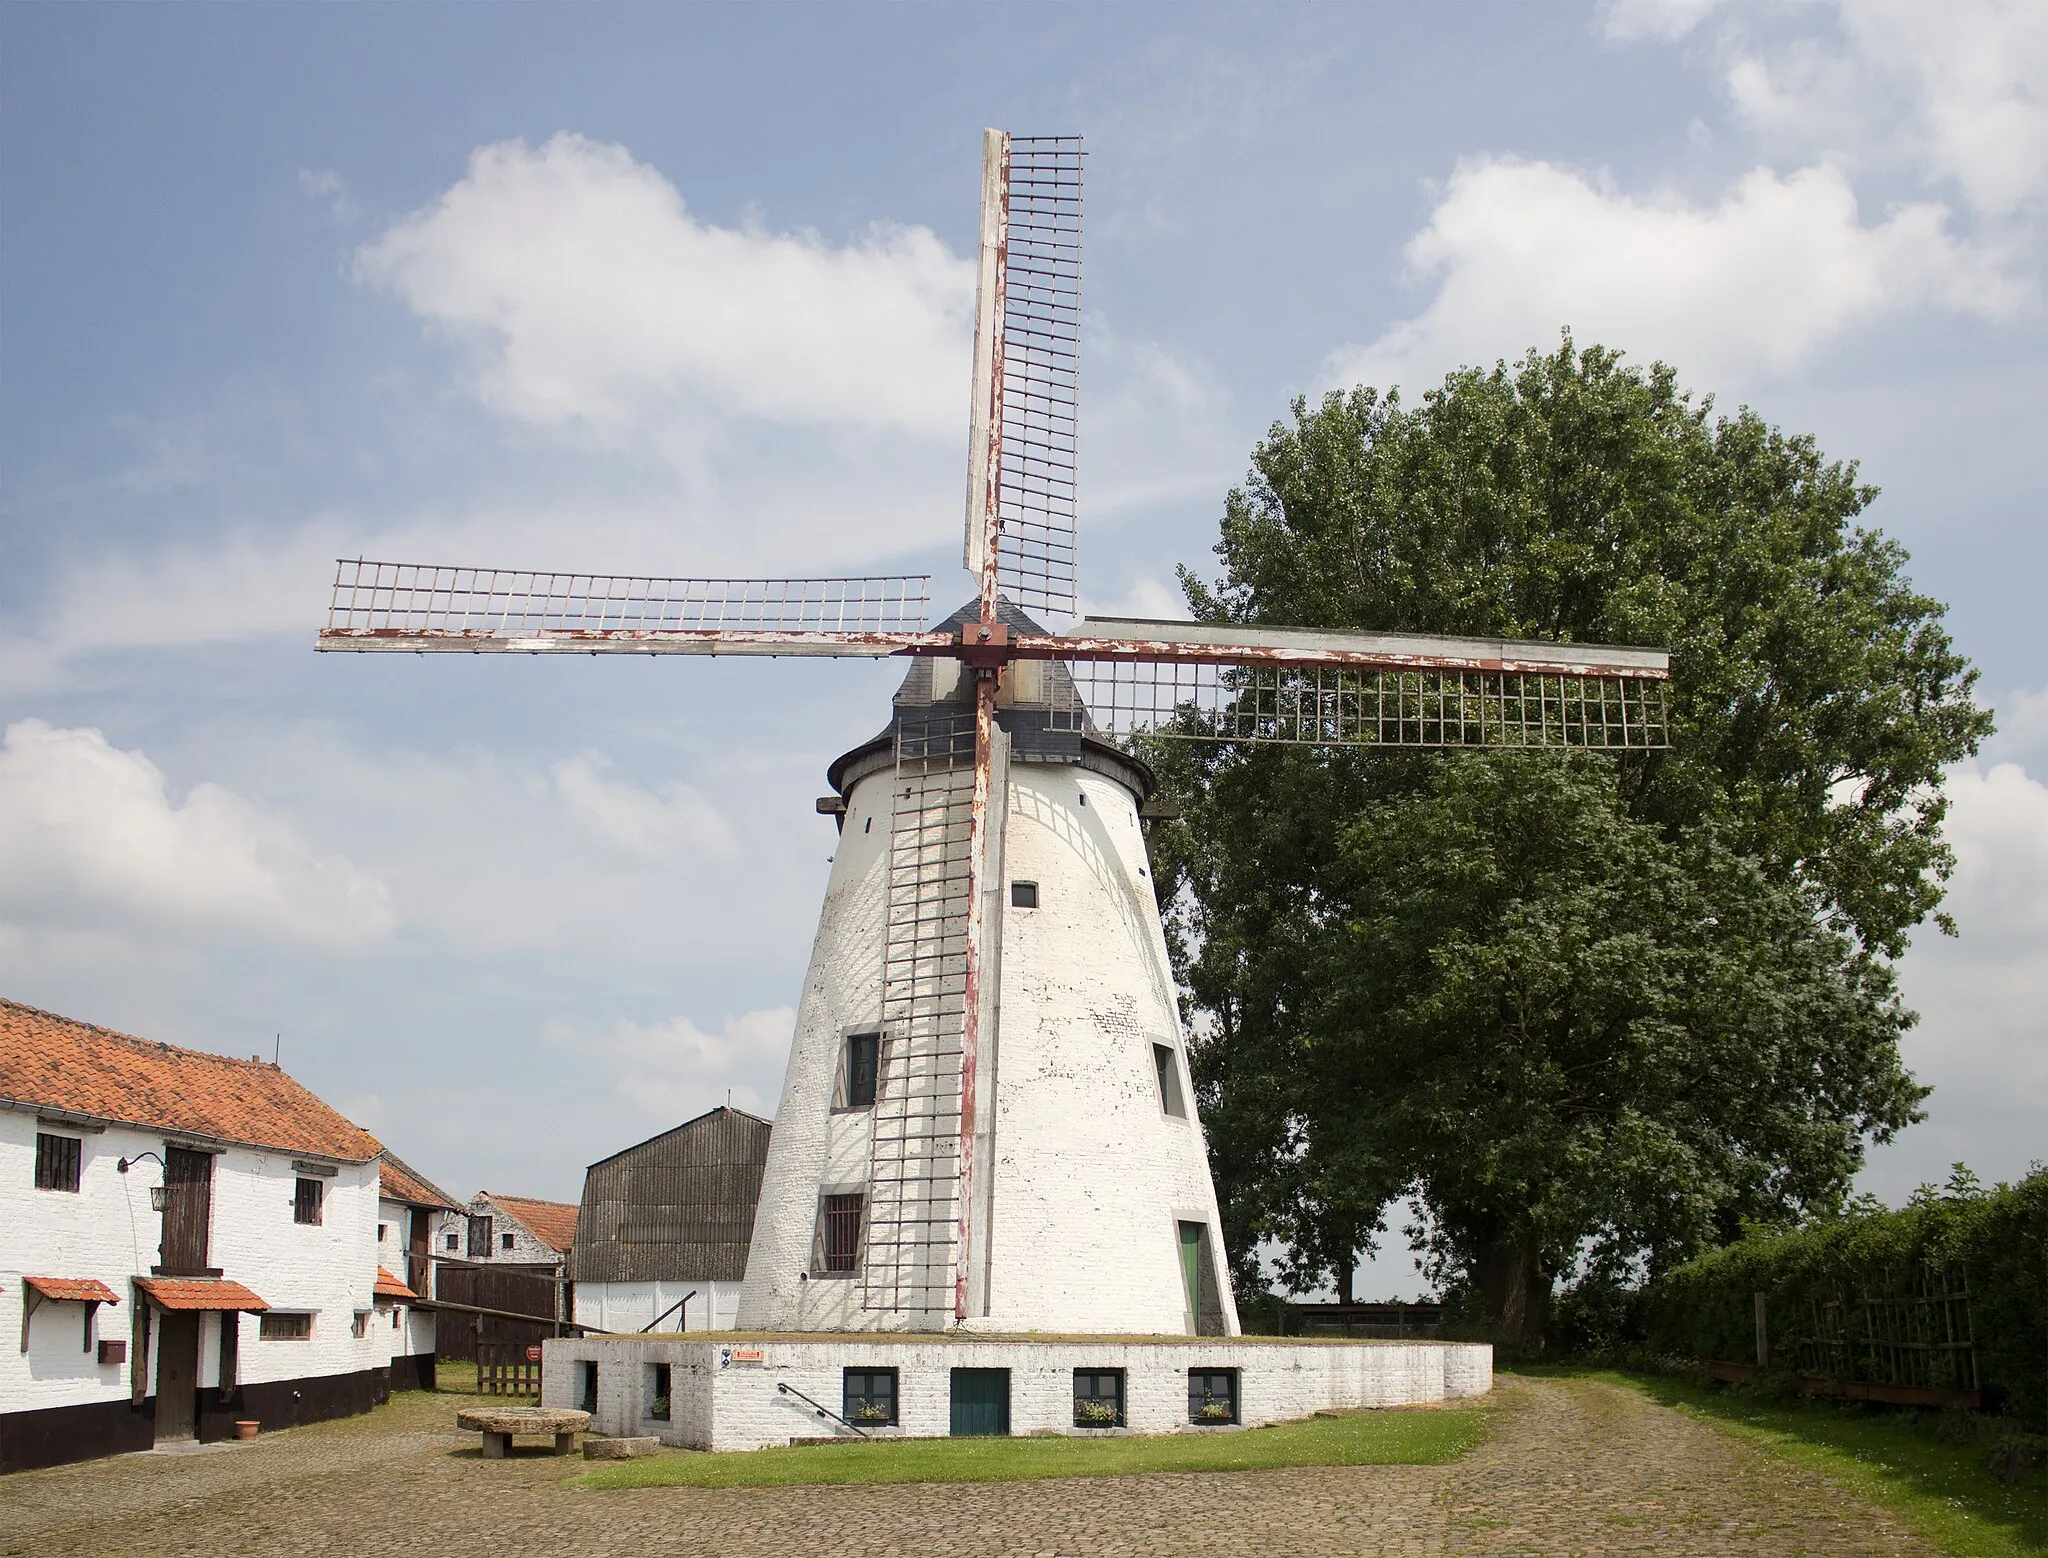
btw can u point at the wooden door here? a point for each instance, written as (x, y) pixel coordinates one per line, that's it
(188, 1213)
(419, 1241)
(981, 1402)
(177, 1375)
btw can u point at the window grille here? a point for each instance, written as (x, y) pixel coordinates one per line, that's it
(480, 1237)
(57, 1160)
(276, 1327)
(1212, 1395)
(1169, 1081)
(863, 1069)
(1098, 1398)
(842, 1232)
(306, 1201)
(869, 1398)
(1023, 895)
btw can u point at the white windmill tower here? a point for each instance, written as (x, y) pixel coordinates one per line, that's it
(987, 1123)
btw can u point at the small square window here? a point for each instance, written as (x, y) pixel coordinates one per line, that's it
(1023, 895)
(839, 1234)
(306, 1200)
(863, 1069)
(1212, 1395)
(504, 1241)
(1169, 1081)
(276, 1327)
(1098, 1398)
(360, 1327)
(658, 1406)
(454, 1242)
(870, 1398)
(57, 1159)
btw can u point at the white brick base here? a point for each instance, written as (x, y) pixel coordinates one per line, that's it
(722, 1401)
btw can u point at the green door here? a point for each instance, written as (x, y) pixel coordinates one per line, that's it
(981, 1402)
(1191, 1270)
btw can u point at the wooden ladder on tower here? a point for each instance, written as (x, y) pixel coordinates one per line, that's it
(914, 1192)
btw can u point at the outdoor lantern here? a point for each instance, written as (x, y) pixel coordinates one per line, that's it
(159, 1195)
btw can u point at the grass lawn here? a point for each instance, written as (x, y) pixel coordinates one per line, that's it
(1936, 1485)
(1389, 1438)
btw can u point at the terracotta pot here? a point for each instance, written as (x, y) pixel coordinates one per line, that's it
(245, 1428)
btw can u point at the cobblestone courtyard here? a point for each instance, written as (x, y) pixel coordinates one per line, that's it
(1571, 1467)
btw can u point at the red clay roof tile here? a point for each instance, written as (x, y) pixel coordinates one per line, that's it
(60, 1064)
(198, 1293)
(552, 1222)
(73, 1290)
(389, 1286)
(400, 1181)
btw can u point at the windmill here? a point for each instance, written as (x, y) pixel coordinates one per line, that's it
(1098, 1217)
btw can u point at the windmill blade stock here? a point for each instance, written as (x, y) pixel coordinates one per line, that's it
(420, 607)
(1021, 451)
(1201, 681)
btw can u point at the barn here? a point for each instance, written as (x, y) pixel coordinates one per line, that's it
(662, 1239)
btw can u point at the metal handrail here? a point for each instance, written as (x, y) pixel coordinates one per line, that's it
(791, 1390)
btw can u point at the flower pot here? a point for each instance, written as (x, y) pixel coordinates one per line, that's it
(245, 1428)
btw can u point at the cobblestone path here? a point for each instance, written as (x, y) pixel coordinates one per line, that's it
(1572, 1467)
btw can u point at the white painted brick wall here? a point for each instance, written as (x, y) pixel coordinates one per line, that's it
(107, 1230)
(730, 1406)
(1090, 1175)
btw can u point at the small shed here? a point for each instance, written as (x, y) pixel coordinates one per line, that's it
(663, 1234)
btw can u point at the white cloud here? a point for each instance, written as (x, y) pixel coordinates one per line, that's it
(671, 1071)
(592, 298)
(667, 820)
(1957, 91)
(1759, 281)
(1983, 1035)
(88, 833)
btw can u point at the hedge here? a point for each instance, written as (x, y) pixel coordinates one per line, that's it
(1995, 1240)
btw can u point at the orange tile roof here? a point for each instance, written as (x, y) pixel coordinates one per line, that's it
(73, 1290)
(56, 1063)
(400, 1181)
(552, 1222)
(389, 1286)
(198, 1293)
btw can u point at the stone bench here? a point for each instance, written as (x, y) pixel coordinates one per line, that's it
(499, 1424)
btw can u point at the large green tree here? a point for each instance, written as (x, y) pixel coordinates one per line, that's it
(1569, 1003)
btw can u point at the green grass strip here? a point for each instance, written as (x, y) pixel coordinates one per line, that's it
(1937, 1487)
(1389, 1438)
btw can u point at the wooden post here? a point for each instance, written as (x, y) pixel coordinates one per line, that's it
(1763, 1333)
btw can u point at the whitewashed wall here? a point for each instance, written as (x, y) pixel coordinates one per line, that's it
(107, 1230)
(722, 1404)
(630, 1306)
(1089, 1176)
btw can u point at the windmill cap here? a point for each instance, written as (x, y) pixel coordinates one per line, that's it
(1042, 712)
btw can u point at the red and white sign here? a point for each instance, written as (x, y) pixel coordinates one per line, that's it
(533, 1353)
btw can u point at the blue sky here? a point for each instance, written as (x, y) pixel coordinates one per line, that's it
(686, 290)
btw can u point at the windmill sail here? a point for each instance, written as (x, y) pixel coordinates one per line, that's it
(1021, 456)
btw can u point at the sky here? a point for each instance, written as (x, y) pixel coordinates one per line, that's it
(688, 290)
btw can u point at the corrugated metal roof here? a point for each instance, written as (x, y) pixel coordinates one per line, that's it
(678, 1207)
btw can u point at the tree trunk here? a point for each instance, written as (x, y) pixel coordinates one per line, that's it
(1509, 1268)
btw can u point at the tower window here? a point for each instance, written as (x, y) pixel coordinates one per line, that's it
(863, 1069)
(1023, 895)
(839, 1234)
(1169, 1081)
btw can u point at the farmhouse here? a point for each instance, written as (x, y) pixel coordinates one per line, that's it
(186, 1240)
(410, 1210)
(662, 1240)
(516, 1231)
